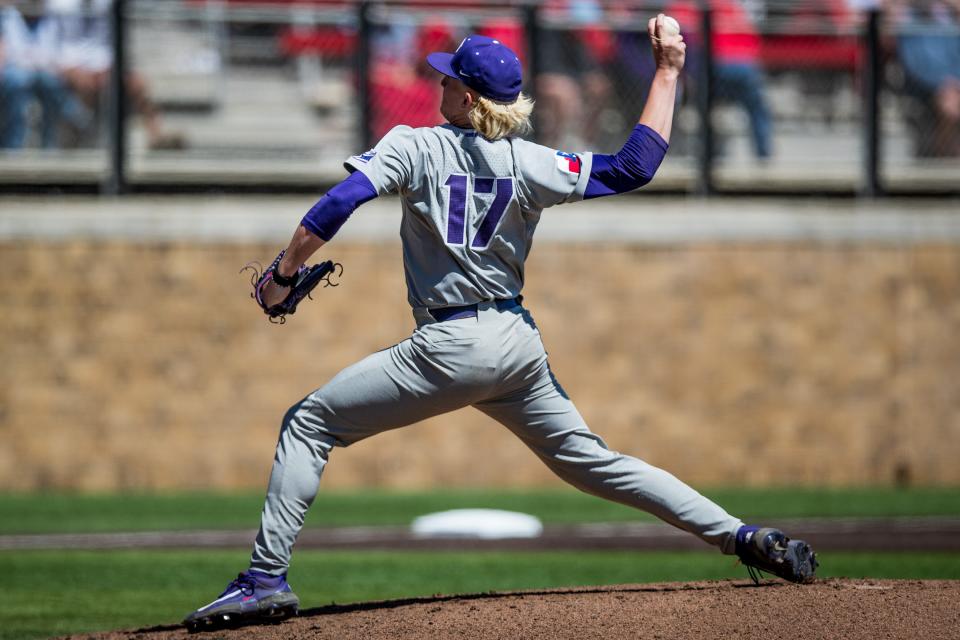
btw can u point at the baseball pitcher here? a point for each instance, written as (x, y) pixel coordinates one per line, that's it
(472, 192)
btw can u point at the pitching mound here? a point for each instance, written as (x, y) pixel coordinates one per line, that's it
(850, 609)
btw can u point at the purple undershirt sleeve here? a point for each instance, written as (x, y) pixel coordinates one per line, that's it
(327, 216)
(628, 169)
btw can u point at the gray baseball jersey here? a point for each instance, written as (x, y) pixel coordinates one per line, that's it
(470, 207)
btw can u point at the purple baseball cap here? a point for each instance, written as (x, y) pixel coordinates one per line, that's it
(485, 65)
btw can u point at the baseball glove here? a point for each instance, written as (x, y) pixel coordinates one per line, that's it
(301, 284)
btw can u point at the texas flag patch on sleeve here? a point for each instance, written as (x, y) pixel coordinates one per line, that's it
(568, 162)
(366, 157)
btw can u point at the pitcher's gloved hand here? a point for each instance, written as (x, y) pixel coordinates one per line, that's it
(298, 286)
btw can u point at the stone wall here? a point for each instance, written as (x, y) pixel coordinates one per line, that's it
(146, 366)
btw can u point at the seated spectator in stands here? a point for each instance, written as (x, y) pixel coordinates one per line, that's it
(12, 88)
(28, 50)
(572, 88)
(820, 38)
(406, 92)
(928, 43)
(631, 73)
(737, 74)
(86, 60)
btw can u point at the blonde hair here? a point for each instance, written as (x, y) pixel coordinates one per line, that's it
(496, 120)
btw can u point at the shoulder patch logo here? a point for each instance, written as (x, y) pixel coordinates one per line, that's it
(366, 157)
(568, 162)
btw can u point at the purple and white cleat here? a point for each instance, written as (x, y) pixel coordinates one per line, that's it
(253, 596)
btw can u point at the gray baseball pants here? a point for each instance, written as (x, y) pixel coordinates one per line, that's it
(495, 362)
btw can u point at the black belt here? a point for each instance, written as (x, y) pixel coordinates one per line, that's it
(470, 310)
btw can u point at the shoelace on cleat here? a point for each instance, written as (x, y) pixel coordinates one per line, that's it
(756, 573)
(245, 583)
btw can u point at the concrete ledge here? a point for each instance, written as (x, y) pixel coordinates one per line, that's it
(631, 219)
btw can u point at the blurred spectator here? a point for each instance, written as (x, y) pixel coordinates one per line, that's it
(509, 30)
(28, 72)
(13, 90)
(409, 93)
(632, 70)
(86, 59)
(820, 39)
(572, 89)
(928, 43)
(737, 74)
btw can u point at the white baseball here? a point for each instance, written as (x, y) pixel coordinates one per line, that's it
(670, 27)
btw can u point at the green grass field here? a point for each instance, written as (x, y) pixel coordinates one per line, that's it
(69, 513)
(58, 592)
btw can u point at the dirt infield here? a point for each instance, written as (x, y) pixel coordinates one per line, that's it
(835, 608)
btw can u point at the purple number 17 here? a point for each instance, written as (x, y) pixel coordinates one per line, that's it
(457, 209)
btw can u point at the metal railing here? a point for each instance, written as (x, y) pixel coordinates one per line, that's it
(355, 67)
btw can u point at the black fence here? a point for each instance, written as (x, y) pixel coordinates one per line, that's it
(777, 97)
